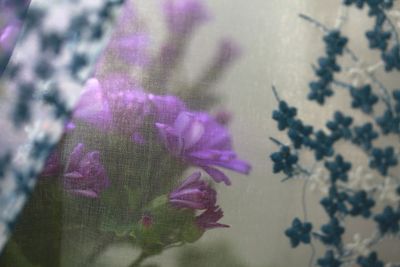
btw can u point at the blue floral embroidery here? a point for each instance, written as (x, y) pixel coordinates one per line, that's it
(347, 191)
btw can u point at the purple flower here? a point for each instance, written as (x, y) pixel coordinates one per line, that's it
(199, 140)
(115, 104)
(52, 166)
(8, 36)
(228, 52)
(147, 221)
(193, 193)
(93, 106)
(129, 104)
(132, 49)
(10, 23)
(209, 219)
(166, 108)
(85, 175)
(223, 117)
(129, 42)
(183, 16)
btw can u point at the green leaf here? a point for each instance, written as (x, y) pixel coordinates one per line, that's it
(191, 232)
(158, 202)
(120, 211)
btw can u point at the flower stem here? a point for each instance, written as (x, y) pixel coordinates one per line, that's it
(139, 260)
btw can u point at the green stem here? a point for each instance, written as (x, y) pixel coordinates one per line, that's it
(139, 260)
(97, 251)
(13, 256)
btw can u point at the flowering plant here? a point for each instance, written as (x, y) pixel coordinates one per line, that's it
(366, 186)
(135, 133)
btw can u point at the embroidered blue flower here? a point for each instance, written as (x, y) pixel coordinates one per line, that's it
(327, 67)
(370, 261)
(299, 133)
(392, 59)
(327, 64)
(338, 168)
(361, 204)
(320, 90)
(378, 38)
(387, 3)
(364, 135)
(335, 202)
(284, 116)
(322, 145)
(344, 200)
(284, 161)
(340, 126)
(335, 43)
(388, 220)
(299, 233)
(389, 122)
(383, 159)
(363, 98)
(329, 260)
(358, 3)
(332, 233)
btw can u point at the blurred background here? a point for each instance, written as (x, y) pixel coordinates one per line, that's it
(278, 49)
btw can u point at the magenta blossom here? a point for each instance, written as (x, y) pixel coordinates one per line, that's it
(129, 109)
(10, 22)
(147, 221)
(166, 108)
(93, 107)
(129, 43)
(117, 104)
(223, 117)
(228, 52)
(52, 166)
(183, 16)
(193, 193)
(132, 49)
(209, 219)
(85, 175)
(199, 140)
(8, 36)
(114, 105)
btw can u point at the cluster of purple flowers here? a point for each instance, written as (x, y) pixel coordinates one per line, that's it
(116, 104)
(195, 138)
(84, 173)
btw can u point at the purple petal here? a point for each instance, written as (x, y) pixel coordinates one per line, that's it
(73, 175)
(217, 175)
(75, 157)
(138, 138)
(191, 179)
(166, 108)
(184, 15)
(84, 193)
(180, 203)
(92, 106)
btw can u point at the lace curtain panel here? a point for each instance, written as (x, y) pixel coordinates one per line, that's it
(199, 133)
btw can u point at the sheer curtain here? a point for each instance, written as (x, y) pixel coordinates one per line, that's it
(158, 98)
